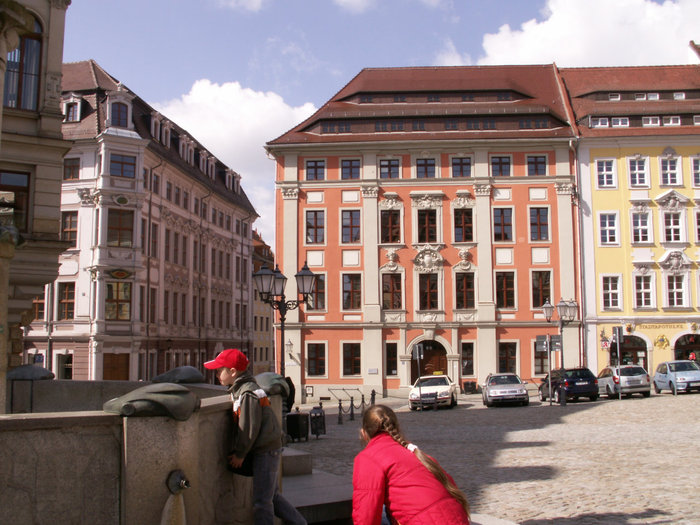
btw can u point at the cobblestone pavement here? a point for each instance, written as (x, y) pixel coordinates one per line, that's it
(628, 461)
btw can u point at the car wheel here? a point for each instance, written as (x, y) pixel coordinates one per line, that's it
(412, 407)
(609, 392)
(594, 397)
(656, 388)
(526, 402)
(557, 398)
(673, 388)
(541, 395)
(453, 402)
(647, 393)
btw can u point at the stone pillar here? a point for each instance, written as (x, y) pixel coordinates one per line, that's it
(567, 265)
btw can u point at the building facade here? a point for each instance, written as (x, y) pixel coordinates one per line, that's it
(31, 152)
(437, 207)
(156, 269)
(639, 158)
(263, 357)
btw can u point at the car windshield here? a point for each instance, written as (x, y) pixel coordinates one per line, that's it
(683, 366)
(632, 371)
(432, 381)
(579, 373)
(504, 380)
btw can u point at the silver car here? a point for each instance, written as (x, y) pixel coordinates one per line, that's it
(504, 388)
(433, 391)
(677, 376)
(628, 379)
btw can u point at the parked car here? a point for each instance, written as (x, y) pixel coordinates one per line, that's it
(677, 376)
(504, 388)
(575, 382)
(434, 391)
(628, 379)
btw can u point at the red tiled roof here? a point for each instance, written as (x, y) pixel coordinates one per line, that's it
(86, 76)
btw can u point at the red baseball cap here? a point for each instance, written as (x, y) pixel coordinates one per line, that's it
(229, 358)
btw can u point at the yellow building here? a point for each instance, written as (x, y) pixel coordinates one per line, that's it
(639, 169)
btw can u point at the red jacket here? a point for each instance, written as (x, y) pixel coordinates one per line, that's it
(385, 473)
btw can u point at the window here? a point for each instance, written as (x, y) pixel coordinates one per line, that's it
(464, 290)
(541, 290)
(640, 227)
(392, 358)
(461, 167)
(71, 169)
(169, 190)
(507, 358)
(316, 359)
(599, 122)
(425, 168)
(166, 245)
(152, 305)
(467, 359)
(120, 115)
(389, 169)
(418, 125)
(500, 166)
(69, 227)
(22, 72)
(350, 226)
(620, 122)
(451, 125)
(317, 298)
(642, 291)
(155, 184)
(351, 359)
(672, 227)
(390, 226)
(397, 125)
(350, 169)
(505, 290)
(539, 224)
(122, 165)
(679, 95)
(17, 183)
(640, 96)
(608, 228)
(669, 172)
(352, 291)
(672, 121)
(536, 165)
(651, 121)
(315, 228)
(118, 302)
(606, 173)
(428, 291)
(695, 166)
(652, 96)
(391, 291)
(66, 301)
(541, 365)
(502, 224)
(611, 293)
(120, 228)
(38, 308)
(154, 240)
(315, 169)
(638, 172)
(427, 229)
(176, 248)
(464, 226)
(614, 96)
(675, 290)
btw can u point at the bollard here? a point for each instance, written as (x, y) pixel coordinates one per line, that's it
(340, 412)
(562, 396)
(352, 409)
(372, 397)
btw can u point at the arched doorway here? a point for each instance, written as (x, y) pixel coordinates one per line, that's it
(686, 345)
(434, 360)
(634, 352)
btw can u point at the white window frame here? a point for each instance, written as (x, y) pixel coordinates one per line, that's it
(620, 122)
(678, 227)
(674, 120)
(414, 167)
(306, 355)
(440, 287)
(416, 206)
(401, 227)
(614, 229)
(695, 170)
(599, 122)
(647, 228)
(670, 177)
(679, 95)
(402, 272)
(491, 157)
(652, 96)
(325, 227)
(651, 121)
(683, 290)
(643, 174)
(640, 96)
(362, 292)
(341, 344)
(696, 120)
(612, 294)
(614, 97)
(612, 174)
(340, 227)
(651, 291)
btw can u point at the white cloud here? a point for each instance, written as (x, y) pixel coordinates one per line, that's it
(594, 33)
(248, 5)
(355, 6)
(449, 56)
(234, 123)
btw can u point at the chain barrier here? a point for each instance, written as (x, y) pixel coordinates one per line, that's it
(350, 410)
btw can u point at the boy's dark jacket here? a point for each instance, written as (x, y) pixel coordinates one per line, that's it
(256, 428)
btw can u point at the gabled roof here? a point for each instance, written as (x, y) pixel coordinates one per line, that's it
(537, 88)
(87, 76)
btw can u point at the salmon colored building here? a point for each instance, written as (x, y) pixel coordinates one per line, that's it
(438, 207)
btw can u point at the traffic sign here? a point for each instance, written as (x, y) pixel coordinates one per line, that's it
(556, 343)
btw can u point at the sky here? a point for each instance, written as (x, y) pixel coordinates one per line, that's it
(238, 73)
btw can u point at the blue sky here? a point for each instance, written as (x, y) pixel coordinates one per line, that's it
(238, 73)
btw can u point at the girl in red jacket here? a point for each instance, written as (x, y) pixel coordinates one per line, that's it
(396, 474)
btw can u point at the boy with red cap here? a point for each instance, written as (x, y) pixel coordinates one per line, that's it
(257, 432)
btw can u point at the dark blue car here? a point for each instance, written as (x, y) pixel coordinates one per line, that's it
(576, 382)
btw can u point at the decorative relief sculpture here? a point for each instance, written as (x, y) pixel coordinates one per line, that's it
(290, 193)
(428, 259)
(370, 192)
(390, 202)
(464, 256)
(464, 199)
(393, 256)
(426, 201)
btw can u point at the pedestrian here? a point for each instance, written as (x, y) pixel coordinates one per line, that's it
(257, 437)
(396, 475)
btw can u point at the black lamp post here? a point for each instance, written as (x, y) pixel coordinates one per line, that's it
(270, 285)
(567, 313)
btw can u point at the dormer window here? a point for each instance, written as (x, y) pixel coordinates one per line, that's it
(155, 127)
(212, 167)
(613, 97)
(679, 95)
(165, 134)
(620, 122)
(651, 121)
(672, 121)
(203, 161)
(229, 179)
(640, 96)
(72, 112)
(599, 122)
(652, 96)
(120, 115)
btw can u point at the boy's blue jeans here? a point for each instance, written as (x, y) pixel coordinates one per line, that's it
(267, 502)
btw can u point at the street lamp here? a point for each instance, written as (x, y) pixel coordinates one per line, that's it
(567, 313)
(270, 285)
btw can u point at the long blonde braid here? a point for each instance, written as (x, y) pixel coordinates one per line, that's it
(380, 418)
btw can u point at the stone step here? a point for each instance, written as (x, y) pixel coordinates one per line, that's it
(322, 498)
(296, 462)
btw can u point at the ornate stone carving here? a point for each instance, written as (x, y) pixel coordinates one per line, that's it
(464, 199)
(87, 197)
(428, 259)
(390, 202)
(425, 201)
(642, 268)
(370, 192)
(672, 201)
(483, 190)
(464, 256)
(392, 255)
(290, 193)
(675, 262)
(564, 188)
